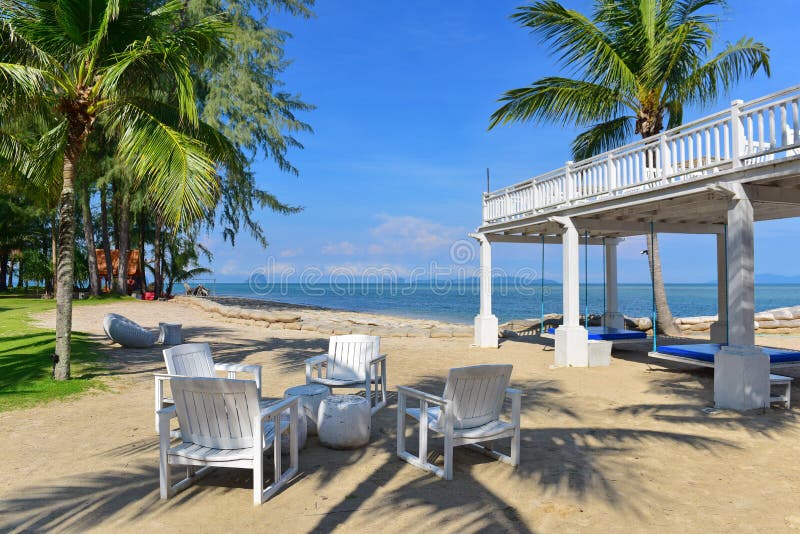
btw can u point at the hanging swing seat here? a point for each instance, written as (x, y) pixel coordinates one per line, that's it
(702, 354)
(606, 333)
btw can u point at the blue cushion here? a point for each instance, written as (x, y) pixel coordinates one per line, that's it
(705, 352)
(603, 333)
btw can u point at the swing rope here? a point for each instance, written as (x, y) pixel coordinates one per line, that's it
(541, 291)
(653, 285)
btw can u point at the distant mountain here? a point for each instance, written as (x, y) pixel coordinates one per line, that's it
(767, 278)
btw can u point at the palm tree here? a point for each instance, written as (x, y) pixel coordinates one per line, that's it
(109, 61)
(635, 62)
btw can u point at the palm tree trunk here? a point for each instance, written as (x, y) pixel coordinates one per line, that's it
(3, 269)
(142, 274)
(664, 322)
(157, 249)
(104, 230)
(88, 234)
(54, 251)
(66, 271)
(124, 232)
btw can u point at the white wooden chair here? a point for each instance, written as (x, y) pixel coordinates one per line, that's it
(467, 414)
(352, 361)
(222, 425)
(194, 359)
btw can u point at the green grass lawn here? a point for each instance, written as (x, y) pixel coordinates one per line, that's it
(25, 355)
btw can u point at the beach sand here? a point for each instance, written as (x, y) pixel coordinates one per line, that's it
(626, 447)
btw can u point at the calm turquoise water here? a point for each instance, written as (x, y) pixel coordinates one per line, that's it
(458, 302)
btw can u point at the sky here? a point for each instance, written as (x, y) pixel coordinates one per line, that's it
(392, 176)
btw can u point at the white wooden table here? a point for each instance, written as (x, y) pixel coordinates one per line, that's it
(784, 383)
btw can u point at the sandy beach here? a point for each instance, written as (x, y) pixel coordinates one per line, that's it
(603, 449)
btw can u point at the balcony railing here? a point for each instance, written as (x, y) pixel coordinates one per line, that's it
(763, 130)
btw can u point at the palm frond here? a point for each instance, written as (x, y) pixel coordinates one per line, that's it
(602, 137)
(560, 100)
(173, 165)
(739, 60)
(578, 42)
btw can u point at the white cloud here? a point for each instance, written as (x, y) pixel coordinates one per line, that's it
(291, 252)
(343, 248)
(401, 234)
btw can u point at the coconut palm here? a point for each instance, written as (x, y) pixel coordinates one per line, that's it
(128, 65)
(635, 63)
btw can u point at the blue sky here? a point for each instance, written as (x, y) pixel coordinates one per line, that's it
(392, 176)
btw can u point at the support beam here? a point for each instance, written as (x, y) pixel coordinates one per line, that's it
(772, 194)
(741, 370)
(572, 340)
(534, 238)
(643, 227)
(612, 318)
(719, 329)
(485, 334)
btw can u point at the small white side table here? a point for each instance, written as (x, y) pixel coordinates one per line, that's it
(311, 395)
(785, 383)
(170, 333)
(344, 422)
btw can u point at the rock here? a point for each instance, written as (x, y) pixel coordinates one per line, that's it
(418, 332)
(700, 327)
(291, 326)
(768, 325)
(310, 326)
(644, 323)
(764, 316)
(783, 314)
(381, 331)
(463, 332)
(795, 312)
(441, 332)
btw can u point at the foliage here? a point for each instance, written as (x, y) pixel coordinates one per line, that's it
(635, 62)
(25, 352)
(243, 97)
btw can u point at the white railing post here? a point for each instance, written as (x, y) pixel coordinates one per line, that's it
(534, 196)
(485, 208)
(507, 205)
(611, 172)
(568, 183)
(666, 168)
(738, 148)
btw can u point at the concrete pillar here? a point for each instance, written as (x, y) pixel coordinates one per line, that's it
(741, 370)
(719, 329)
(485, 334)
(612, 317)
(572, 340)
(741, 293)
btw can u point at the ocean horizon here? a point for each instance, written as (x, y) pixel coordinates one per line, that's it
(457, 301)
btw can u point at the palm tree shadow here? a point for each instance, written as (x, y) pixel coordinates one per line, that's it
(585, 461)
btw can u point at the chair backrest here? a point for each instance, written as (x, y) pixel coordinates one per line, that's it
(190, 359)
(348, 356)
(216, 412)
(477, 393)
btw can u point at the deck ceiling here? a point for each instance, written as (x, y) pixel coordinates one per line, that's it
(698, 207)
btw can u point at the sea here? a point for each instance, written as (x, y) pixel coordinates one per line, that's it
(458, 301)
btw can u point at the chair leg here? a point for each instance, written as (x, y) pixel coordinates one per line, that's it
(448, 457)
(258, 474)
(401, 425)
(515, 445)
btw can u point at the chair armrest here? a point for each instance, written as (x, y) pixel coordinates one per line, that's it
(278, 407)
(316, 360)
(167, 413)
(406, 391)
(516, 404)
(238, 367)
(378, 358)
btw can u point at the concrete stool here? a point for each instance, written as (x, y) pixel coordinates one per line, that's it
(311, 395)
(170, 333)
(344, 421)
(302, 432)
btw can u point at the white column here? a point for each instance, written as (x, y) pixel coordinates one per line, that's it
(741, 370)
(719, 329)
(485, 334)
(612, 318)
(572, 340)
